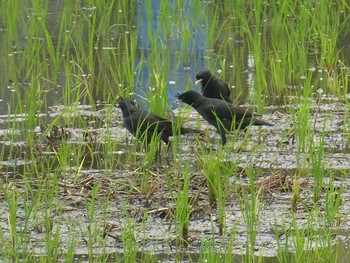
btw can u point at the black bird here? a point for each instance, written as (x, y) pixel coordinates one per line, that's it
(144, 124)
(221, 114)
(212, 87)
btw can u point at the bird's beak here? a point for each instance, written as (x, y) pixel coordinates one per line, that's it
(178, 101)
(197, 81)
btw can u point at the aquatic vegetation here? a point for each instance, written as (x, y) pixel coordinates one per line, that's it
(74, 183)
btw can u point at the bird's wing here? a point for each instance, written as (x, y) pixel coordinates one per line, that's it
(227, 89)
(147, 119)
(221, 85)
(225, 110)
(157, 117)
(241, 112)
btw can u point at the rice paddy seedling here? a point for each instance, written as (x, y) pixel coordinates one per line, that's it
(14, 245)
(249, 206)
(182, 214)
(52, 238)
(129, 242)
(70, 254)
(150, 157)
(311, 248)
(92, 224)
(110, 148)
(317, 162)
(332, 203)
(302, 123)
(63, 62)
(211, 253)
(11, 17)
(217, 177)
(157, 97)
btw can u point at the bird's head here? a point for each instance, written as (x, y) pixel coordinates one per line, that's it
(189, 97)
(126, 105)
(203, 76)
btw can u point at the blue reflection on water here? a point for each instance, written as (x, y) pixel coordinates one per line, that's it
(180, 74)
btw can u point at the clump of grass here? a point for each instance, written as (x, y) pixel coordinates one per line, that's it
(217, 175)
(211, 253)
(249, 206)
(318, 171)
(14, 245)
(92, 226)
(182, 213)
(311, 238)
(130, 246)
(152, 149)
(333, 203)
(92, 53)
(310, 248)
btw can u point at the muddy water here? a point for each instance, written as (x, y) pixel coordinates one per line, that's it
(151, 213)
(269, 152)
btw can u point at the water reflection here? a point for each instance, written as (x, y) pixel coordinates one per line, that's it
(185, 59)
(177, 39)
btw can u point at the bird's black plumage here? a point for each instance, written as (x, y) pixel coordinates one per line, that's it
(212, 87)
(144, 124)
(221, 114)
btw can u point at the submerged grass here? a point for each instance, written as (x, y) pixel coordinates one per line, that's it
(74, 54)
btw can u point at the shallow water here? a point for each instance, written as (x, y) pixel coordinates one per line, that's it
(269, 151)
(264, 153)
